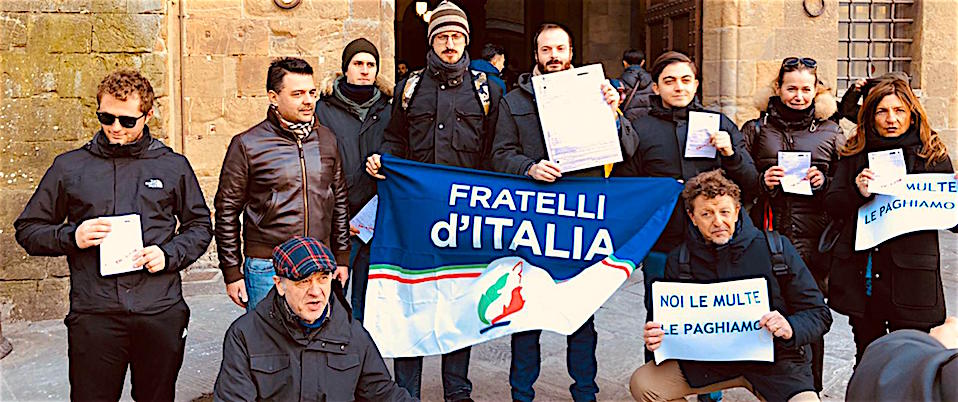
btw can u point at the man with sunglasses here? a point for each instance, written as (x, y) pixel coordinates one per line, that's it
(284, 176)
(137, 318)
(444, 115)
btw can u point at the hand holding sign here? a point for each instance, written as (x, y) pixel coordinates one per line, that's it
(861, 181)
(775, 323)
(653, 335)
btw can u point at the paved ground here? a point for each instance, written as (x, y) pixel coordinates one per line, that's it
(37, 368)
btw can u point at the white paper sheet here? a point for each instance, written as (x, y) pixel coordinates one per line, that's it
(701, 125)
(796, 165)
(365, 220)
(889, 169)
(578, 126)
(119, 247)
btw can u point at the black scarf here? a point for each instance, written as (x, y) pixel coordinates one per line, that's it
(359, 94)
(449, 74)
(782, 115)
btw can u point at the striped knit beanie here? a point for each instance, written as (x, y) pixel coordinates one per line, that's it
(447, 17)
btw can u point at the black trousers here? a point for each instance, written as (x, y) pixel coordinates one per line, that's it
(100, 346)
(870, 327)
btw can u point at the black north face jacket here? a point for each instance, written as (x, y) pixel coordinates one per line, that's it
(102, 179)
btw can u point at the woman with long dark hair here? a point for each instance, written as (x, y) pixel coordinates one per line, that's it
(897, 284)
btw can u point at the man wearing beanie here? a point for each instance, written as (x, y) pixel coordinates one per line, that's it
(445, 115)
(300, 343)
(355, 106)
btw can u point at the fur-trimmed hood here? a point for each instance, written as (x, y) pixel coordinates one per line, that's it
(825, 102)
(326, 87)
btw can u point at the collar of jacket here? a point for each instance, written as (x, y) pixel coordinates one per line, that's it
(674, 115)
(359, 110)
(273, 117)
(745, 233)
(780, 115)
(142, 148)
(525, 83)
(336, 329)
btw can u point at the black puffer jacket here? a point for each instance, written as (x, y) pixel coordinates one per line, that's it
(519, 141)
(747, 256)
(102, 179)
(357, 138)
(906, 270)
(444, 122)
(267, 356)
(799, 217)
(662, 136)
(638, 92)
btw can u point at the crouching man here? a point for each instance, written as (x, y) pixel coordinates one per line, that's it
(723, 244)
(301, 344)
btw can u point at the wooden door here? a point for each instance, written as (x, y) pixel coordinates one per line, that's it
(672, 25)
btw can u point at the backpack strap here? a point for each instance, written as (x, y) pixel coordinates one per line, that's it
(777, 249)
(481, 83)
(409, 89)
(628, 99)
(685, 268)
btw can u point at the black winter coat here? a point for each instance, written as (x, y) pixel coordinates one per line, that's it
(357, 140)
(906, 270)
(268, 358)
(661, 144)
(102, 179)
(799, 217)
(638, 92)
(905, 365)
(444, 123)
(800, 302)
(519, 141)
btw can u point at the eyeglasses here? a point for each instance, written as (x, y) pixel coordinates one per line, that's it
(456, 37)
(107, 119)
(794, 61)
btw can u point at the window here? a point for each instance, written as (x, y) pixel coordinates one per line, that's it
(874, 37)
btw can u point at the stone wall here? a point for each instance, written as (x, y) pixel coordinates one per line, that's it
(52, 56)
(936, 67)
(207, 62)
(605, 33)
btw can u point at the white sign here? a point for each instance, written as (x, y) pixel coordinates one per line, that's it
(926, 203)
(365, 220)
(119, 248)
(713, 321)
(698, 141)
(796, 165)
(577, 123)
(889, 169)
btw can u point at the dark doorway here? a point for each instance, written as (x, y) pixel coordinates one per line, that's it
(509, 23)
(669, 25)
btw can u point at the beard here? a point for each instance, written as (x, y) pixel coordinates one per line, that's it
(566, 64)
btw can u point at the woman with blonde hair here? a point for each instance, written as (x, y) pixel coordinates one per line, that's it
(896, 285)
(794, 118)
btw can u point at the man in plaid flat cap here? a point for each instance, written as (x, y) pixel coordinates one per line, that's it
(301, 344)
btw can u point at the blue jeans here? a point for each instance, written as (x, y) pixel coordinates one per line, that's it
(455, 374)
(258, 276)
(580, 360)
(359, 267)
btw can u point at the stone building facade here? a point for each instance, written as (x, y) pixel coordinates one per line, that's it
(207, 61)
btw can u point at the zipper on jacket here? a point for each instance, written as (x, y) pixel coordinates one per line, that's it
(302, 165)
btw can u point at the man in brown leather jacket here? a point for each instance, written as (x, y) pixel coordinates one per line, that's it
(285, 176)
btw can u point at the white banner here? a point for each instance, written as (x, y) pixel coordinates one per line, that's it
(927, 203)
(713, 321)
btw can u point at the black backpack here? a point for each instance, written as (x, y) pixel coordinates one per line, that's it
(775, 246)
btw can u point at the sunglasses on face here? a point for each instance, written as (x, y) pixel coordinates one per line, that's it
(794, 61)
(107, 119)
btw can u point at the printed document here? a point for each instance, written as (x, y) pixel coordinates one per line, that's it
(365, 220)
(119, 249)
(889, 169)
(796, 165)
(579, 127)
(701, 125)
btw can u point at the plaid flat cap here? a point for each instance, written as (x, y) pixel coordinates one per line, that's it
(300, 257)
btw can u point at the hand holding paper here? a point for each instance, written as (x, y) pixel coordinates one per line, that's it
(92, 232)
(796, 166)
(122, 248)
(699, 141)
(722, 142)
(152, 257)
(889, 170)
